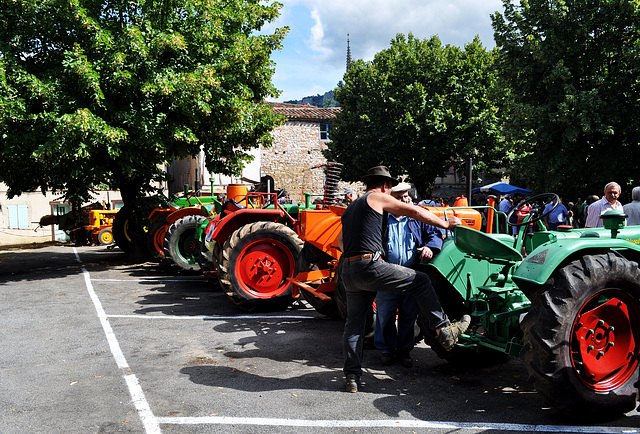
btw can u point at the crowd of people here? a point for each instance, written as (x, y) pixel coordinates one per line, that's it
(572, 213)
(582, 213)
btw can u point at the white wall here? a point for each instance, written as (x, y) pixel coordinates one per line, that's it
(37, 206)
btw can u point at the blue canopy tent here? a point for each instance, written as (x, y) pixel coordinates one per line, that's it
(500, 188)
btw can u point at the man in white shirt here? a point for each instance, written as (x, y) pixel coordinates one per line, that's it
(599, 207)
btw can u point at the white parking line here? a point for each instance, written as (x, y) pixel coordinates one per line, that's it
(215, 318)
(391, 424)
(149, 421)
(152, 423)
(147, 279)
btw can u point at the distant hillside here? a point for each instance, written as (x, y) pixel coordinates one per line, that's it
(325, 100)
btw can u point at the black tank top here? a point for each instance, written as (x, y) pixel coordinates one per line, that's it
(364, 230)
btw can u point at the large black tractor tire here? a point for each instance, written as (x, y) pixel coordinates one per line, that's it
(582, 338)
(210, 252)
(324, 307)
(181, 248)
(155, 239)
(122, 232)
(255, 262)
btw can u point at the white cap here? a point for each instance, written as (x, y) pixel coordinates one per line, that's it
(402, 187)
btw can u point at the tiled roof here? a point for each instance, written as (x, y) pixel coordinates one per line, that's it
(304, 112)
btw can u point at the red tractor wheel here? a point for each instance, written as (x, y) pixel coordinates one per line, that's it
(582, 337)
(255, 263)
(105, 237)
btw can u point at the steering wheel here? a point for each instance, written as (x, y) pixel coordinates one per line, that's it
(537, 204)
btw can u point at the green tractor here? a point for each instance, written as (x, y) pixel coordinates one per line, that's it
(566, 301)
(170, 227)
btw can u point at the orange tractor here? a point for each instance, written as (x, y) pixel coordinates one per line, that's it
(319, 229)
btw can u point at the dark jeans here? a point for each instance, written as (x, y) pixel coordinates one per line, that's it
(362, 279)
(388, 337)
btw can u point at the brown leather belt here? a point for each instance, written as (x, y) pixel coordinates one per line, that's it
(364, 257)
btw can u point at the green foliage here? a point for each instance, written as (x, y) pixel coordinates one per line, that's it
(106, 92)
(573, 70)
(419, 107)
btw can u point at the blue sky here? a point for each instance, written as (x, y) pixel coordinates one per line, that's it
(313, 59)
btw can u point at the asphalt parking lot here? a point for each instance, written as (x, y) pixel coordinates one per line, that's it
(93, 344)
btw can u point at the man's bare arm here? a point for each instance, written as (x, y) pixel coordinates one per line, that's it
(383, 202)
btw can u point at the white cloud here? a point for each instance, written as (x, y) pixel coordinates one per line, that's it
(316, 43)
(315, 50)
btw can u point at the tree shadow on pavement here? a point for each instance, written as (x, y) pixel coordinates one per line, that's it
(59, 260)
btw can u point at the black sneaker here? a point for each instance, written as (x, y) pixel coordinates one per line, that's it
(351, 383)
(449, 335)
(405, 359)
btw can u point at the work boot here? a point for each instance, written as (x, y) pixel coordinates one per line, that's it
(449, 335)
(351, 383)
(405, 359)
(386, 359)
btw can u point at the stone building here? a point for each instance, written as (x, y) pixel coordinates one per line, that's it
(295, 160)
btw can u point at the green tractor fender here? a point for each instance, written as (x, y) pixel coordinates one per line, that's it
(542, 262)
(473, 262)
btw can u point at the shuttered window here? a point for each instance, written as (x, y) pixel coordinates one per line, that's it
(18, 216)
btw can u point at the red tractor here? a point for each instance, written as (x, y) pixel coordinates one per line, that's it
(253, 247)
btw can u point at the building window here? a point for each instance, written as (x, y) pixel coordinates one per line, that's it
(18, 216)
(324, 132)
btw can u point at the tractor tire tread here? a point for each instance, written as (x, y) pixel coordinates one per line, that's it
(548, 324)
(235, 294)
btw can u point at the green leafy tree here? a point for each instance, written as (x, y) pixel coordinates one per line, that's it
(573, 70)
(108, 91)
(418, 107)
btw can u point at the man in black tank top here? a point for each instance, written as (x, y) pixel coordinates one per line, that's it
(363, 271)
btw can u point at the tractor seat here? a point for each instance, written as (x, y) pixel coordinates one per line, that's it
(229, 206)
(479, 244)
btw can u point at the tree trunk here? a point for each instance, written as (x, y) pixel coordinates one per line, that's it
(138, 206)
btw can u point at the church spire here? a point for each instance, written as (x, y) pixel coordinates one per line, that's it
(348, 54)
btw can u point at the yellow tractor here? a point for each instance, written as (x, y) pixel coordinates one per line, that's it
(99, 228)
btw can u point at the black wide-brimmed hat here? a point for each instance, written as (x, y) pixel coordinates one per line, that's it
(379, 172)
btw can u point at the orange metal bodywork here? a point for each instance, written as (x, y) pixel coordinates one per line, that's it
(99, 219)
(321, 228)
